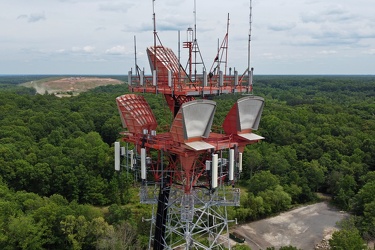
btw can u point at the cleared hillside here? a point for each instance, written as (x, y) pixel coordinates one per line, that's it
(70, 85)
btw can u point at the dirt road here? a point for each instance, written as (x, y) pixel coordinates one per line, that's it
(302, 227)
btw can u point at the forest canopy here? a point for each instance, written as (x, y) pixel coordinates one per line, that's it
(57, 174)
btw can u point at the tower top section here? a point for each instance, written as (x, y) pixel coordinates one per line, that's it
(170, 78)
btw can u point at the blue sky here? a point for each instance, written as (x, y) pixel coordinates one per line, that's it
(97, 36)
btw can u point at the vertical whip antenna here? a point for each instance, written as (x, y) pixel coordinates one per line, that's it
(195, 38)
(135, 57)
(195, 20)
(192, 45)
(154, 20)
(226, 51)
(249, 69)
(155, 35)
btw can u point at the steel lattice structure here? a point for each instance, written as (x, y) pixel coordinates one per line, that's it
(181, 170)
(188, 173)
(188, 226)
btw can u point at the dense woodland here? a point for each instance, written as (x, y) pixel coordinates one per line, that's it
(59, 190)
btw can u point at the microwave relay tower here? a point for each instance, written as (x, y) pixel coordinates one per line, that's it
(187, 173)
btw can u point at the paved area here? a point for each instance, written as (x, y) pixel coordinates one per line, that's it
(303, 227)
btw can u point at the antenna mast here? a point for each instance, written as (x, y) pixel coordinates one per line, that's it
(222, 54)
(155, 34)
(250, 70)
(192, 45)
(195, 38)
(135, 57)
(195, 20)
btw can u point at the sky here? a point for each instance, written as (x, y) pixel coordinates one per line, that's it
(308, 37)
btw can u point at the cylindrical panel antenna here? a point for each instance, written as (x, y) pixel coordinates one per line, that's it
(143, 163)
(169, 78)
(131, 156)
(122, 151)
(117, 156)
(235, 78)
(208, 165)
(141, 78)
(204, 79)
(215, 160)
(251, 77)
(221, 78)
(154, 78)
(130, 78)
(240, 162)
(231, 164)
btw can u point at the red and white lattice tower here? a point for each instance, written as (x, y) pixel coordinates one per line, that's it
(188, 173)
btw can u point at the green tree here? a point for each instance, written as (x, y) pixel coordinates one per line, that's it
(24, 233)
(262, 181)
(289, 248)
(252, 160)
(365, 196)
(75, 229)
(346, 239)
(347, 187)
(118, 214)
(275, 200)
(314, 173)
(241, 247)
(124, 236)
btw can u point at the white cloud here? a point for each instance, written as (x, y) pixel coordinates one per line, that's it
(119, 6)
(33, 17)
(85, 49)
(22, 17)
(329, 13)
(62, 33)
(272, 56)
(100, 28)
(327, 52)
(117, 50)
(370, 52)
(281, 26)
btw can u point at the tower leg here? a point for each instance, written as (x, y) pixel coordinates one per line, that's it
(193, 222)
(161, 216)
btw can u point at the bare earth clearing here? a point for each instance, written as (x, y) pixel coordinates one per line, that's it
(303, 228)
(69, 86)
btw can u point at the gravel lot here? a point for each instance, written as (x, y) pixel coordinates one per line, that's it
(303, 227)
